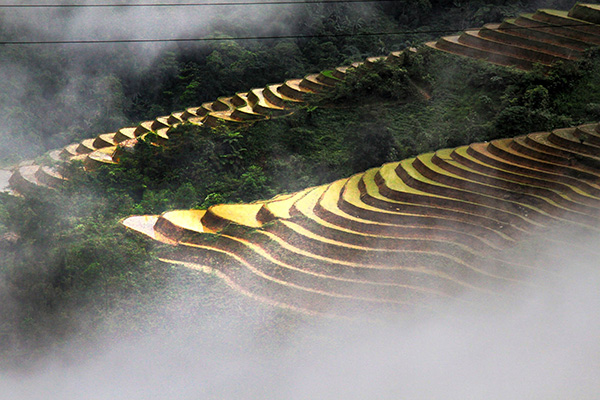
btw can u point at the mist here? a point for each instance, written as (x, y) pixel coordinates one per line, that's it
(105, 23)
(542, 343)
(51, 95)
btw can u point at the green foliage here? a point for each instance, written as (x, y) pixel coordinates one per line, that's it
(372, 145)
(254, 184)
(563, 96)
(383, 80)
(212, 199)
(64, 251)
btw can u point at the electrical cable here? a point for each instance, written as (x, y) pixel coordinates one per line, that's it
(216, 39)
(220, 3)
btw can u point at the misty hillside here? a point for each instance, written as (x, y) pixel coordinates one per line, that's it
(385, 188)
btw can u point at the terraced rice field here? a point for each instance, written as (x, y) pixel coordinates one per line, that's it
(545, 37)
(404, 235)
(272, 101)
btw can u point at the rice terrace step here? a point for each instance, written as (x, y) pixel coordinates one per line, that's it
(321, 252)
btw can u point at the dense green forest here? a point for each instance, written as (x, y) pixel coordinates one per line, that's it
(64, 251)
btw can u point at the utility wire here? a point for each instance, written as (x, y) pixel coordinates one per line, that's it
(217, 39)
(219, 3)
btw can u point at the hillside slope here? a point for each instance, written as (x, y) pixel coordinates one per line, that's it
(258, 104)
(545, 37)
(542, 38)
(404, 234)
(398, 236)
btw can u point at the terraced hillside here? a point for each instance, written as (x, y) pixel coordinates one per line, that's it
(544, 37)
(402, 235)
(398, 236)
(257, 104)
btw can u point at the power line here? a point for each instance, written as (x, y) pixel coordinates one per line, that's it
(217, 39)
(220, 3)
(207, 39)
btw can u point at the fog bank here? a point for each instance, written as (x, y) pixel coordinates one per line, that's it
(543, 344)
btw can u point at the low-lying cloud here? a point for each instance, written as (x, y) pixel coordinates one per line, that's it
(542, 344)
